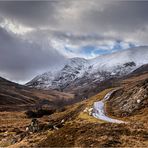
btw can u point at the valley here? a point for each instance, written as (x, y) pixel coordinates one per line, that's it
(73, 125)
(73, 73)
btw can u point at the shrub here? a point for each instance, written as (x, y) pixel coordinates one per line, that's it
(30, 114)
(39, 113)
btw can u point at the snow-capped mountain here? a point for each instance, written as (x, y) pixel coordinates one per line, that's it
(42, 81)
(79, 71)
(74, 68)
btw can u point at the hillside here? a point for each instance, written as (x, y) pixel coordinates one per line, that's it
(69, 117)
(18, 97)
(80, 129)
(74, 73)
(142, 69)
(100, 133)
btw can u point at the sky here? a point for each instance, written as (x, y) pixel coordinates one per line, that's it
(37, 36)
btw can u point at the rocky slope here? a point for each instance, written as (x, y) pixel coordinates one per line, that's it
(131, 98)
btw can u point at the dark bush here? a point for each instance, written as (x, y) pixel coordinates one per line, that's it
(43, 112)
(61, 109)
(39, 113)
(30, 114)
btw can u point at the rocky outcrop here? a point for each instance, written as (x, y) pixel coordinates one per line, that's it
(129, 102)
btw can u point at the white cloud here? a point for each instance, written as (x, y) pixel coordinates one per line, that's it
(15, 28)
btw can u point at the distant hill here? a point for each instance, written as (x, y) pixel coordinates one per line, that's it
(142, 69)
(18, 97)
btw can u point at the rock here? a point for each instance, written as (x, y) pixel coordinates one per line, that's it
(56, 128)
(90, 111)
(85, 110)
(33, 127)
(63, 121)
(138, 101)
(27, 129)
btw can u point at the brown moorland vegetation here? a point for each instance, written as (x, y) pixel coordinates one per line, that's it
(79, 128)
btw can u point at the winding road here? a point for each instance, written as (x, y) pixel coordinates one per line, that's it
(99, 111)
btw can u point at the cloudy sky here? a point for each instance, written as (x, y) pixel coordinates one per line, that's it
(36, 36)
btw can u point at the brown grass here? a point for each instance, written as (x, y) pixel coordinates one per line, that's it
(80, 129)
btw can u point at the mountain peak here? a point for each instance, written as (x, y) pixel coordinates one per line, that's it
(105, 66)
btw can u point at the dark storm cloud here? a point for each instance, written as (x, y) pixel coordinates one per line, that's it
(33, 13)
(21, 59)
(65, 23)
(119, 16)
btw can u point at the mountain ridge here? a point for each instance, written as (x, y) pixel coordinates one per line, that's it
(103, 67)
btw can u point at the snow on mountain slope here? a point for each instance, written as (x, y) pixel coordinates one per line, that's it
(74, 68)
(42, 81)
(78, 71)
(139, 55)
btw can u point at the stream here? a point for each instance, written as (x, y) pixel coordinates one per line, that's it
(99, 111)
